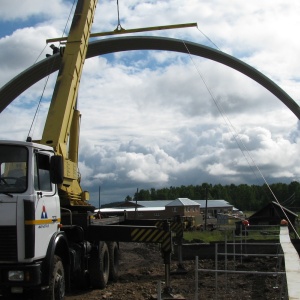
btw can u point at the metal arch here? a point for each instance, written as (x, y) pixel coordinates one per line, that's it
(51, 64)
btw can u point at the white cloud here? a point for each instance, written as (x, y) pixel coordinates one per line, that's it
(14, 9)
(148, 119)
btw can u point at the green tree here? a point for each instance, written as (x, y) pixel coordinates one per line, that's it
(243, 196)
(128, 198)
(143, 195)
(162, 194)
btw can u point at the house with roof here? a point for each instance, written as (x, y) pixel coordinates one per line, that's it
(215, 207)
(182, 207)
(272, 214)
(165, 209)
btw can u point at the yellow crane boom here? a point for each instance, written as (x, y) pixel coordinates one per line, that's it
(61, 129)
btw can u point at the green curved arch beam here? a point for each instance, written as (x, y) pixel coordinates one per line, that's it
(51, 64)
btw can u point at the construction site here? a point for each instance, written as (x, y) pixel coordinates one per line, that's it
(227, 270)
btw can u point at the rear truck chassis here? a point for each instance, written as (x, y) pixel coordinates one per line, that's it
(176, 226)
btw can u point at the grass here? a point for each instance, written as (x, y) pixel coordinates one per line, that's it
(227, 232)
(208, 236)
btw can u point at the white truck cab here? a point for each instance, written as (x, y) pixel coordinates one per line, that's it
(29, 209)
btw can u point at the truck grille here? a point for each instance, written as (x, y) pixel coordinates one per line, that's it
(8, 243)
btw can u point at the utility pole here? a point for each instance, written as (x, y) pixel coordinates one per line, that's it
(206, 196)
(136, 199)
(99, 197)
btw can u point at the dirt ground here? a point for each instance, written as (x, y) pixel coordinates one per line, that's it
(141, 268)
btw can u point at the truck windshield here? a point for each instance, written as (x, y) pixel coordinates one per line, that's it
(13, 164)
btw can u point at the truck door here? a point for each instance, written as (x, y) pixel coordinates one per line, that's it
(47, 212)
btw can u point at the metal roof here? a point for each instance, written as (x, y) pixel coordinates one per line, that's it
(183, 202)
(139, 209)
(153, 203)
(162, 203)
(214, 203)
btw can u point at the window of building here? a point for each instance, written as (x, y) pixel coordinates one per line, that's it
(174, 209)
(156, 214)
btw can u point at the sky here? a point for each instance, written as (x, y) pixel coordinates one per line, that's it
(155, 119)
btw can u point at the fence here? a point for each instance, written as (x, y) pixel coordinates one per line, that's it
(234, 253)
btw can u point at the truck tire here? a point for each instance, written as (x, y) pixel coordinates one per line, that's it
(99, 266)
(57, 284)
(114, 256)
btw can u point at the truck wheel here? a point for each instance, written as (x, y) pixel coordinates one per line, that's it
(57, 285)
(113, 250)
(99, 266)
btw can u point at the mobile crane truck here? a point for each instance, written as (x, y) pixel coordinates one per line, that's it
(48, 239)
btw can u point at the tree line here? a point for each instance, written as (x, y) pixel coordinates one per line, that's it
(244, 197)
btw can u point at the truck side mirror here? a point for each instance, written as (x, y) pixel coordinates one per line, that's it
(57, 169)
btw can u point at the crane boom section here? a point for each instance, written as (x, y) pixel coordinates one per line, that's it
(63, 103)
(61, 129)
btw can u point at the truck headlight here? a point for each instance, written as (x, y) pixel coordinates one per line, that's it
(15, 275)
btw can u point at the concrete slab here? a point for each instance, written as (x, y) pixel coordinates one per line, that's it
(292, 264)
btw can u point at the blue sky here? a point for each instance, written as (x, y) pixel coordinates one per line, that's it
(148, 119)
(7, 28)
